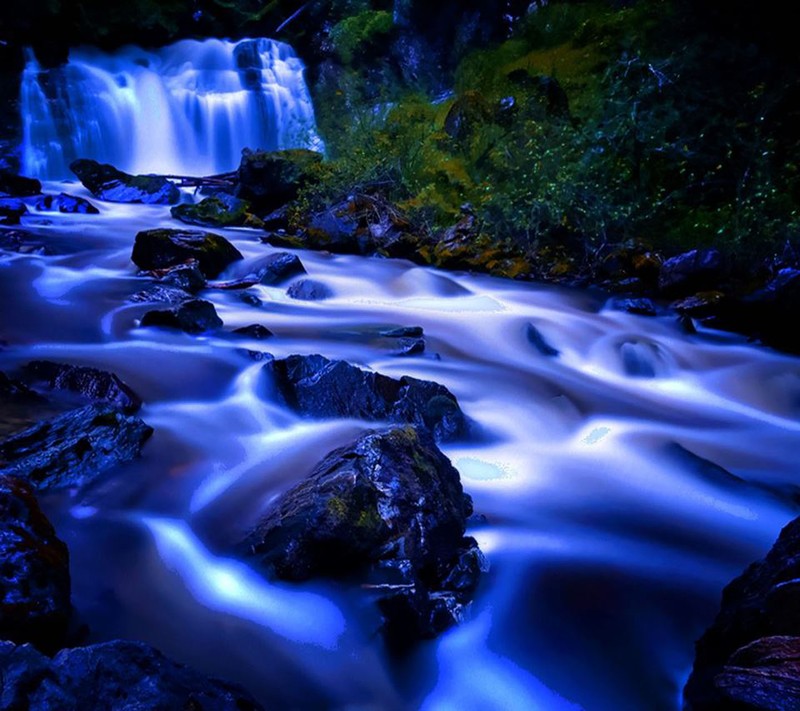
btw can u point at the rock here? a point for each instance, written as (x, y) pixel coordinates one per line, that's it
(254, 330)
(20, 406)
(387, 510)
(94, 384)
(195, 316)
(700, 305)
(67, 204)
(697, 270)
(467, 116)
(113, 675)
(165, 248)
(745, 652)
(250, 299)
(539, 342)
(34, 577)
(403, 332)
(11, 211)
(158, 293)
(220, 210)
(340, 229)
(269, 180)
(770, 312)
(186, 277)
(73, 449)
(317, 387)
(309, 290)
(12, 185)
(640, 307)
(270, 270)
(105, 182)
(23, 242)
(410, 346)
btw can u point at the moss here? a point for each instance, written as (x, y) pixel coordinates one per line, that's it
(354, 35)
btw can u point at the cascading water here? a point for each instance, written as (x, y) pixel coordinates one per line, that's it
(186, 109)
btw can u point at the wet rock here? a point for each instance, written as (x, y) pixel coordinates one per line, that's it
(107, 183)
(11, 211)
(34, 575)
(195, 316)
(697, 270)
(13, 185)
(94, 384)
(640, 307)
(339, 229)
(269, 180)
(700, 305)
(770, 312)
(73, 449)
(22, 242)
(254, 330)
(270, 270)
(404, 332)
(309, 290)
(165, 248)
(186, 277)
(317, 387)
(65, 203)
(250, 299)
(158, 293)
(539, 342)
(752, 647)
(220, 210)
(112, 675)
(410, 346)
(19, 406)
(387, 510)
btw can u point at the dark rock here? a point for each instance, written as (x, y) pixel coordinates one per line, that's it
(250, 299)
(220, 210)
(269, 180)
(163, 248)
(339, 229)
(22, 242)
(158, 293)
(105, 182)
(34, 575)
(270, 270)
(195, 316)
(20, 406)
(67, 204)
(187, 277)
(640, 307)
(255, 330)
(317, 387)
(734, 662)
(770, 312)
(12, 185)
(309, 290)
(410, 346)
(11, 211)
(404, 332)
(697, 270)
(113, 675)
(700, 305)
(389, 510)
(74, 448)
(96, 385)
(538, 341)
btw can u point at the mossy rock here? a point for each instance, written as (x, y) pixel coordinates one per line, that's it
(271, 179)
(164, 248)
(221, 210)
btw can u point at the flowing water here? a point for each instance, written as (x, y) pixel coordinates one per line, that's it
(186, 109)
(609, 531)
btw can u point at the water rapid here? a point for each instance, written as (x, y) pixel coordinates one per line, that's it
(619, 484)
(186, 109)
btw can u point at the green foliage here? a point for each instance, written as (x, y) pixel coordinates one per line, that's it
(354, 35)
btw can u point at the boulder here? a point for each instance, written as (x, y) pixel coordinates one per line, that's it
(159, 293)
(270, 179)
(112, 675)
(195, 316)
(11, 211)
(94, 384)
(69, 204)
(220, 210)
(13, 185)
(107, 183)
(270, 270)
(309, 290)
(165, 248)
(34, 577)
(410, 346)
(187, 277)
(254, 330)
(317, 387)
(751, 651)
(74, 448)
(388, 511)
(697, 270)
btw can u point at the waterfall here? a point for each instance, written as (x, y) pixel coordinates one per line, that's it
(189, 108)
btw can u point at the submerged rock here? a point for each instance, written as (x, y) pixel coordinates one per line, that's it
(220, 210)
(105, 182)
(112, 675)
(750, 657)
(410, 346)
(389, 511)
(92, 383)
(22, 242)
(317, 387)
(195, 316)
(270, 179)
(34, 576)
(165, 248)
(65, 203)
(73, 449)
(270, 270)
(309, 290)
(13, 185)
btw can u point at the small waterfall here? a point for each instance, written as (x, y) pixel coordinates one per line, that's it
(189, 108)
